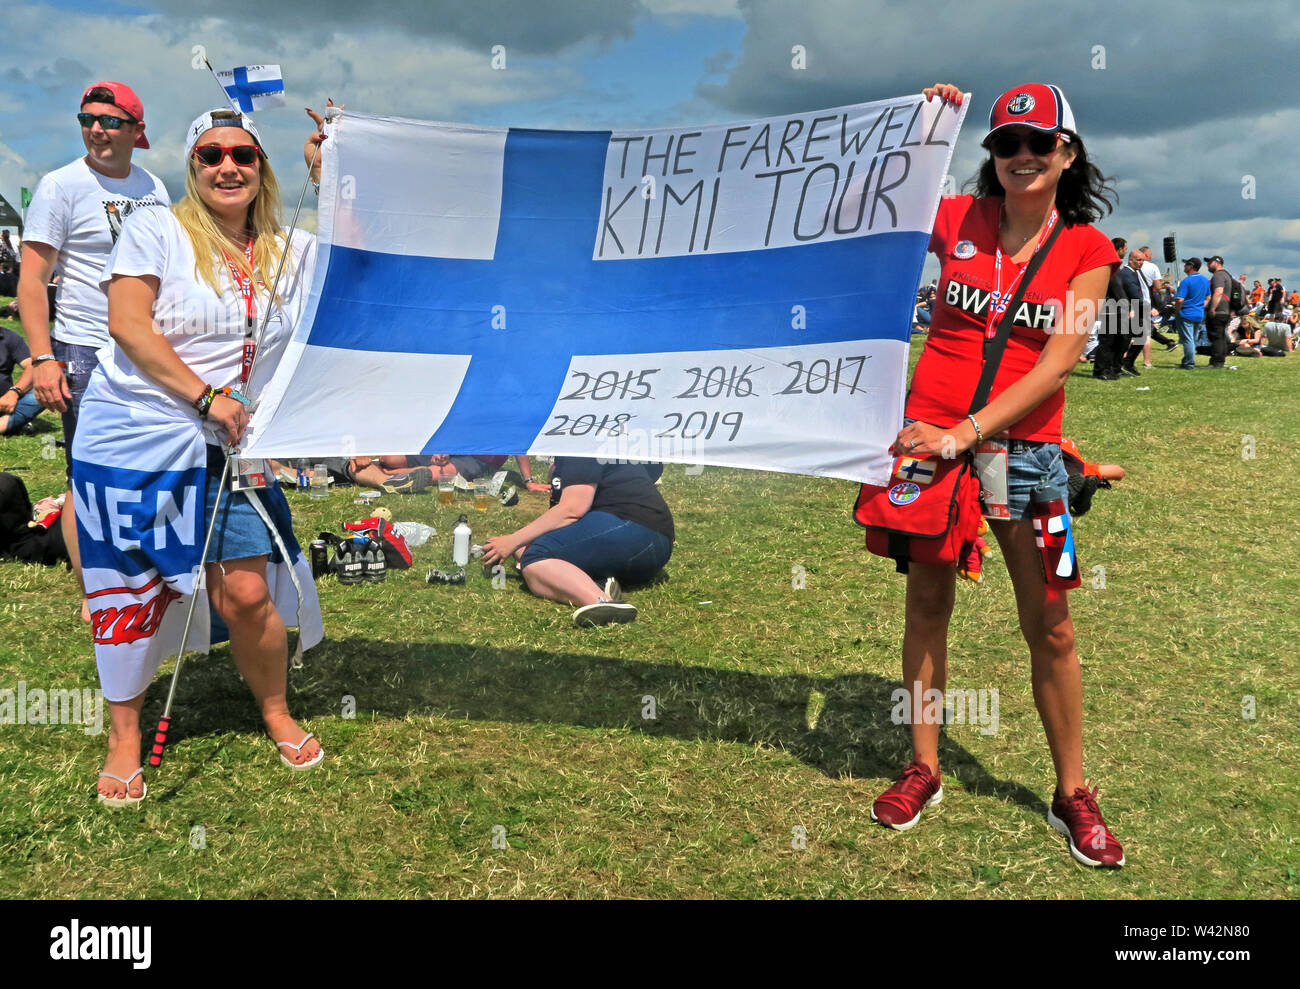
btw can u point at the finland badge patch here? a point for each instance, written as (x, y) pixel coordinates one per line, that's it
(911, 469)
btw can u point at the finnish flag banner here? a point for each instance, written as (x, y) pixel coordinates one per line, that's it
(736, 294)
(253, 87)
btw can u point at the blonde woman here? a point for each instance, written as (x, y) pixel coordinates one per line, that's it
(187, 287)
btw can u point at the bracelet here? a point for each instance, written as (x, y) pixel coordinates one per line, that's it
(203, 404)
(979, 433)
(237, 395)
(42, 358)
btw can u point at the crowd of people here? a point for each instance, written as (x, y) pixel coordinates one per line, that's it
(1210, 315)
(137, 270)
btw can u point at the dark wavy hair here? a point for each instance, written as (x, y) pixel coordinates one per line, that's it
(1083, 194)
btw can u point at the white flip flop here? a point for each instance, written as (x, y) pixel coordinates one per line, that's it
(298, 748)
(126, 800)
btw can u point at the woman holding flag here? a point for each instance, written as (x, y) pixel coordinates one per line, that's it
(1035, 191)
(188, 288)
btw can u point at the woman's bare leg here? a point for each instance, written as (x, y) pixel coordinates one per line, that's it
(1049, 631)
(259, 644)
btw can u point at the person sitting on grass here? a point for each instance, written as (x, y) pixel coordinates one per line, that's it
(608, 523)
(18, 406)
(1280, 336)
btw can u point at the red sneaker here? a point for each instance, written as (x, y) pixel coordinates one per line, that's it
(900, 806)
(1079, 819)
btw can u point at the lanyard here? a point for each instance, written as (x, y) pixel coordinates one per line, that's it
(245, 286)
(999, 300)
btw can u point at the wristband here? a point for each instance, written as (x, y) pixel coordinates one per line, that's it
(42, 358)
(203, 404)
(237, 395)
(979, 433)
(14, 388)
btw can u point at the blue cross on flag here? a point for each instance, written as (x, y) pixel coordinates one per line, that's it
(253, 87)
(911, 469)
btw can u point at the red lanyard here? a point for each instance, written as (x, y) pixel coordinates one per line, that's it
(245, 286)
(999, 300)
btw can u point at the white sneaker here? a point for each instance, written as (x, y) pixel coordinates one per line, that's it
(612, 589)
(604, 613)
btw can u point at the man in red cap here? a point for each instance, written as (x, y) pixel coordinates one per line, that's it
(73, 221)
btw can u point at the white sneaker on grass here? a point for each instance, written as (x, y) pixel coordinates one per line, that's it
(604, 613)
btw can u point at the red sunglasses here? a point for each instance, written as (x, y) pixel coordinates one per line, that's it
(211, 155)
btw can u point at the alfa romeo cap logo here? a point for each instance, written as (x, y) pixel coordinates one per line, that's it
(1020, 103)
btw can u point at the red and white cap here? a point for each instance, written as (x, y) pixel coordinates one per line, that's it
(1037, 105)
(125, 99)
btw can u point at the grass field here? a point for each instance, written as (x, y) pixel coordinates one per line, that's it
(482, 712)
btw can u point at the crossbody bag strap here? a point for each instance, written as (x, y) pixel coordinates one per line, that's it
(994, 347)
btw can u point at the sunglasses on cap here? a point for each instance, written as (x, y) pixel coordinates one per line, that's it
(106, 120)
(1006, 144)
(211, 155)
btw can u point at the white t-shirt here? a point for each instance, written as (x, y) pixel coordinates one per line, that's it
(79, 213)
(205, 329)
(1150, 273)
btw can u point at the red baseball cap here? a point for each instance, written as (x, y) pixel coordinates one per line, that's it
(123, 97)
(1036, 105)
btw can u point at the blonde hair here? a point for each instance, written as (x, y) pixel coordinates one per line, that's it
(264, 224)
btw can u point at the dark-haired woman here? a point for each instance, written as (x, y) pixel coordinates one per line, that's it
(1037, 176)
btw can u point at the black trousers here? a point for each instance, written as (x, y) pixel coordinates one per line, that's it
(1216, 328)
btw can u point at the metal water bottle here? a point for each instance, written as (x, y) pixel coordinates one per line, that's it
(460, 542)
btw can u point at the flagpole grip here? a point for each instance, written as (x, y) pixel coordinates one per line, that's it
(159, 741)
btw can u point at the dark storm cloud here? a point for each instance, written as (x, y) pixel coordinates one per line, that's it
(1165, 65)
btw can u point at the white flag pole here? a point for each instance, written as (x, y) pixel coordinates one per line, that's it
(215, 78)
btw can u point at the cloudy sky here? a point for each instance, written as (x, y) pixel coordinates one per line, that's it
(1191, 107)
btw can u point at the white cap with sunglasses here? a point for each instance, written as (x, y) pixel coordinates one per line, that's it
(228, 118)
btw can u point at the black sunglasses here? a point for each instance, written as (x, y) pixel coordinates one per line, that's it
(106, 120)
(210, 155)
(1006, 144)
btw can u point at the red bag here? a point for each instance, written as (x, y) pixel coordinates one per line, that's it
(397, 555)
(928, 513)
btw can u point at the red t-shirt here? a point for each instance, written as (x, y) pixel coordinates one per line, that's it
(949, 369)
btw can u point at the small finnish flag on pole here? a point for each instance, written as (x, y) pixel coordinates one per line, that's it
(253, 87)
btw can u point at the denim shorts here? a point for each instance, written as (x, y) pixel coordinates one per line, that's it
(1035, 473)
(79, 362)
(240, 531)
(604, 545)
